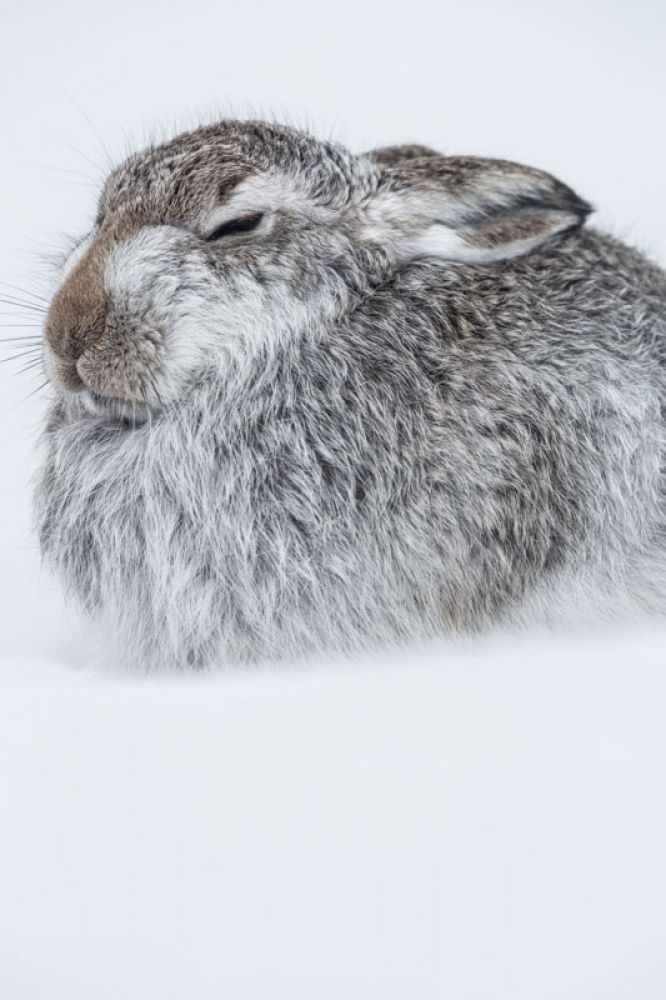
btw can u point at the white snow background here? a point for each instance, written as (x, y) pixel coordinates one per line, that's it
(463, 821)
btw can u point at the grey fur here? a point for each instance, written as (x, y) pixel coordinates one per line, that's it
(392, 446)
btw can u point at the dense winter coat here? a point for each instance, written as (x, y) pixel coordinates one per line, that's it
(305, 401)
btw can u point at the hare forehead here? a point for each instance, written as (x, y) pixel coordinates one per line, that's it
(163, 186)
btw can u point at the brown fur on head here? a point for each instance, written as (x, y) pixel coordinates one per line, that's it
(76, 323)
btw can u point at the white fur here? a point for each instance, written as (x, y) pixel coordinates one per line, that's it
(198, 322)
(439, 240)
(425, 224)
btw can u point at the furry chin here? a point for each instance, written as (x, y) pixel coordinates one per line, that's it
(112, 409)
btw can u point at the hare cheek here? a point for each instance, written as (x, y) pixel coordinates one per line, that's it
(157, 282)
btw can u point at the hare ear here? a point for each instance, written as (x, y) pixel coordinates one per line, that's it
(470, 210)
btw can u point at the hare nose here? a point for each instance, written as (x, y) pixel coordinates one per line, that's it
(77, 314)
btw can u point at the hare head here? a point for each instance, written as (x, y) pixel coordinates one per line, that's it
(226, 236)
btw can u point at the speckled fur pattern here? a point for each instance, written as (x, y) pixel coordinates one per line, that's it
(346, 439)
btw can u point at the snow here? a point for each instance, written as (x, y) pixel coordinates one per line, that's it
(470, 820)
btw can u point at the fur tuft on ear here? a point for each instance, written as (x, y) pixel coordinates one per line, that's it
(466, 209)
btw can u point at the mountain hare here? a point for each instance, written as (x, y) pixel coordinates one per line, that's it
(306, 400)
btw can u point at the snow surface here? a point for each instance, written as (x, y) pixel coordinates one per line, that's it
(469, 821)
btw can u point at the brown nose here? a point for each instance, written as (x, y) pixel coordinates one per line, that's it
(77, 313)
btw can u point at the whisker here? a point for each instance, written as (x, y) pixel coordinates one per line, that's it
(26, 306)
(63, 170)
(25, 291)
(22, 339)
(27, 319)
(37, 358)
(35, 363)
(22, 356)
(21, 402)
(14, 357)
(79, 152)
(21, 312)
(38, 389)
(14, 314)
(12, 292)
(26, 352)
(88, 119)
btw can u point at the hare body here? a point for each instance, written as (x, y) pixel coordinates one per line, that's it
(438, 445)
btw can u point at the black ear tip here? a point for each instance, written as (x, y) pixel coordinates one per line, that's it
(569, 201)
(582, 208)
(558, 195)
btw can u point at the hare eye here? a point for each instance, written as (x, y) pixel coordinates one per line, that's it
(243, 224)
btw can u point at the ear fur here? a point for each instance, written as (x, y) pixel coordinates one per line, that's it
(467, 209)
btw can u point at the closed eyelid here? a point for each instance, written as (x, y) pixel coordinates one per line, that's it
(238, 225)
(239, 219)
(262, 194)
